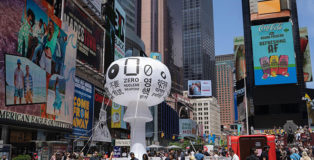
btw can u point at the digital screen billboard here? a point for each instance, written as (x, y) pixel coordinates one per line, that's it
(25, 81)
(239, 51)
(305, 50)
(119, 31)
(200, 88)
(273, 54)
(187, 128)
(89, 34)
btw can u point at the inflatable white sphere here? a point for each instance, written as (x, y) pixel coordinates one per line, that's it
(138, 81)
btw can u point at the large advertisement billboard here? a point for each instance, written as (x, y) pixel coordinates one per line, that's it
(119, 51)
(273, 54)
(117, 114)
(188, 128)
(89, 34)
(83, 109)
(305, 50)
(25, 81)
(239, 51)
(47, 55)
(200, 88)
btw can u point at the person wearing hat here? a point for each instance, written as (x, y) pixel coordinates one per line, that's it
(18, 82)
(133, 156)
(264, 155)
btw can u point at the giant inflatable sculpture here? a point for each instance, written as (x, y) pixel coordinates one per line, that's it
(138, 83)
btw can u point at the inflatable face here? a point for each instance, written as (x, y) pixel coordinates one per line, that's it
(138, 80)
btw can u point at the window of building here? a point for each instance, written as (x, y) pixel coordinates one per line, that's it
(206, 127)
(206, 113)
(200, 113)
(200, 118)
(206, 109)
(206, 118)
(199, 109)
(199, 104)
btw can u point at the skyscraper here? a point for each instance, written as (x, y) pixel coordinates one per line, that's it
(225, 97)
(198, 42)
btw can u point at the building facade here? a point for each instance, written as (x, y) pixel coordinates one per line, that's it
(225, 91)
(198, 42)
(206, 112)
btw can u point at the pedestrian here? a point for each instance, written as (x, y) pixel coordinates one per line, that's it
(254, 153)
(95, 156)
(133, 156)
(4, 157)
(145, 157)
(294, 155)
(199, 155)
(182, 155)
(233, 155)
(305, 156)
(264, 155)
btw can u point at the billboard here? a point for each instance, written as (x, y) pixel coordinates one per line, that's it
(200, 88)
(101, 132)
(90, 36)
(239, 51)
(83, 109)
(119, 51)
(25, 81)
(117, 114)
(156, 56)
(268, 6)
(305, 50)
(273, 54)
(188, 128)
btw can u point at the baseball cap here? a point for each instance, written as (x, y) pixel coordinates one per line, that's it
(18, 61)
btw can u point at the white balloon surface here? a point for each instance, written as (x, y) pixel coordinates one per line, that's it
(138, 82)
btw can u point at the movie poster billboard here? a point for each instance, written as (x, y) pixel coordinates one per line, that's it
(119, 32)
(101, 132)
(200, 88)
(239, 51)
(54, 8)
(89, 34)
(117, 113)
(188, 128)
(305, 50)
(273, 54)
(83, 109)
(25, 81)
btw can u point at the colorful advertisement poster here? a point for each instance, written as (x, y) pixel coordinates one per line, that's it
(200, 88)
(89, 34)
(188, 128)
(25, 81)
(310, 107)
(305, 50)
(273, 54)
(117, 113)
(239, 51)
(30, 33)
(83, 109)
(156, 56)
(119, 51)
(54, 8)
(101, 132)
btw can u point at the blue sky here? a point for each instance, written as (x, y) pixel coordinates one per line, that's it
(228, 24)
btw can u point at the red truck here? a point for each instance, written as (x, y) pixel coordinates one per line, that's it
(242, 145)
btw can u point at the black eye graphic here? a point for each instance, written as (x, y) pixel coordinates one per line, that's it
(163, 75)
(113, 71)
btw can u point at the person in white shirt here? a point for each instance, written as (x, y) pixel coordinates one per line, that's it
(233, 155)
(38, 32)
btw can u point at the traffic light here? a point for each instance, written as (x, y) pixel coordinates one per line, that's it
(162, 135)
(173, 137)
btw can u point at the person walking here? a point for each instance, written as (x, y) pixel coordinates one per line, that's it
(199, 155)
(253, 155)
(233, 155)
(305, 156)
(264, 155)
(294, 155)
(133, 156)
